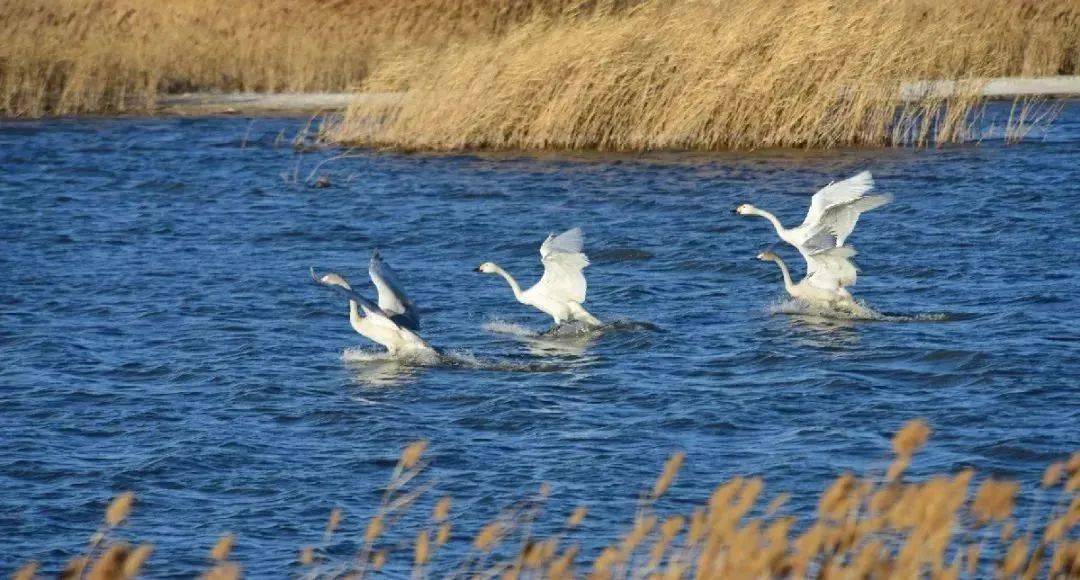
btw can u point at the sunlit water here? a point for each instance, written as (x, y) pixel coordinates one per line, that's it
(159, 331)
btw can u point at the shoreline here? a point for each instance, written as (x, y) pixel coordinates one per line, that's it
(289, 104)
(210, 104)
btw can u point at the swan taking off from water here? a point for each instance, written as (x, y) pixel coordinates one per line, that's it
(824, 287)
(561, 289)
(834, 210)
(392, 321)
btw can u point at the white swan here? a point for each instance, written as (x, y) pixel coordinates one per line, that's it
(389, 328)
(561, 289)
(834, 210)
(821, 288)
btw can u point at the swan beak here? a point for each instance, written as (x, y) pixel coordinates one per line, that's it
(735, 210)
(476, 269)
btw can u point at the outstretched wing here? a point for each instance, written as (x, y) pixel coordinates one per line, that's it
(837, 193)
(563, 264)
(392, 298)
(832, 268)
(839, 221)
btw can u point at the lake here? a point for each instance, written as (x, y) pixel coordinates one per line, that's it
(159, 331)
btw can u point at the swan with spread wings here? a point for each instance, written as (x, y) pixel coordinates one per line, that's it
(834, 211)
(392, 322)
(561, 290)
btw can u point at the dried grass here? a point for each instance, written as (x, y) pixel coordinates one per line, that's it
(103, 56)
(867, 527)
(568, 74)
(702, 74)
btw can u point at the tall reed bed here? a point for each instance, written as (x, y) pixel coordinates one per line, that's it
(102, 56)
(703, 74)
(878, 525)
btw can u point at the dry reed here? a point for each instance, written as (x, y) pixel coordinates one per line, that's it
(867, 527)
(702, 74)
(105, 56)
(606, 74)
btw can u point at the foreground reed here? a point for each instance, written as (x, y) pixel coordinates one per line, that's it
(873, 526)
(699, 74)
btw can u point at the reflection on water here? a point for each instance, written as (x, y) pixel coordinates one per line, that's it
(159, 332)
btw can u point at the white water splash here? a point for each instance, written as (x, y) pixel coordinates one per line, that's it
(860, 311)
(357, 355)
(513, 329)
(362, 358)
(571, 329)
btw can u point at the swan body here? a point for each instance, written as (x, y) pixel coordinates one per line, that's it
(834, 211)
(561, 290)
(821, 288)
(391, 326)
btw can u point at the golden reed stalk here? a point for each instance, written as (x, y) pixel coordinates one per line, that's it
(866, 527)
(706, 74)
(539, 74)
(106, 56)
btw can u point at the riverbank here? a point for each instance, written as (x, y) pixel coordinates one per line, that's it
(203, 104)
(208, 103)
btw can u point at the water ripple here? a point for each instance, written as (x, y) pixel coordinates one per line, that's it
(158, 330)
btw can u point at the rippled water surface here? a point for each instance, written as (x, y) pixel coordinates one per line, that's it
(159, 331)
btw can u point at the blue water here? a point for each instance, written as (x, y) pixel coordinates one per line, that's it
(159, 331)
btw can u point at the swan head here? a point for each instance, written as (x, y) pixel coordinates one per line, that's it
(745, 209)
(486, 268)
(330, 279)
(767, 256)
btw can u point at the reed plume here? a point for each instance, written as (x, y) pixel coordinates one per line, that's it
(866, 526)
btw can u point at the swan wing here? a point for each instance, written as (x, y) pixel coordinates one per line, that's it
(563, 261)
(832, 268)
(392, 298)
(370, 309)
(837, 193)
(839, 221)
(569, 242)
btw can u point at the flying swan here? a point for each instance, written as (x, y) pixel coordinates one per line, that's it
(393, 321)
(561, 289)
(824, 287)
(834, 210)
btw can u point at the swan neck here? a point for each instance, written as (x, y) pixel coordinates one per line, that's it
(510, 280)
(788, 285)
(772, 219)
(354, 312)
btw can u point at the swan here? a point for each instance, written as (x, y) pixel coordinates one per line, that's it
(561, 289)
(834, 210)
(823, 287)
(392, 322)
